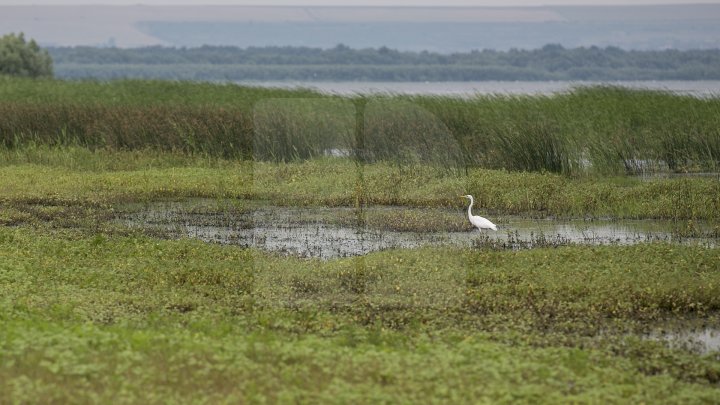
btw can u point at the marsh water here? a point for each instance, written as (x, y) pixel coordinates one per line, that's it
(327, 233)
(333, 232)
(697, 88)
(690, 335)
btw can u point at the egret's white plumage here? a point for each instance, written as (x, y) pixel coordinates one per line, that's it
(478, 221)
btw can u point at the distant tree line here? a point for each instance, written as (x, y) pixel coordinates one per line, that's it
(551, 62)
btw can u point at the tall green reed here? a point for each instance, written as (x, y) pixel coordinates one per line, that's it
(599, 130)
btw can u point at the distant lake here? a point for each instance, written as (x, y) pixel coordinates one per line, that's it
(704, 88)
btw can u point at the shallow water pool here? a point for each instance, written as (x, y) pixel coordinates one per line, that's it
(326, 233)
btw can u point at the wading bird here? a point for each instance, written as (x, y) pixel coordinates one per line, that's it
(478, 221)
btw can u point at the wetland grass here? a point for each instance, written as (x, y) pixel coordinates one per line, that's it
(602, 130)
(95, 312)
(76, 175)
(89, 318)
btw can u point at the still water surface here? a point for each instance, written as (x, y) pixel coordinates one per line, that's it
(699, 88)
(327, 233)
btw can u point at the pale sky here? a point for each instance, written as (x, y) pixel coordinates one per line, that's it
(359, 2)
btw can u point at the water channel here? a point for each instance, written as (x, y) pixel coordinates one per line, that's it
(327, 233)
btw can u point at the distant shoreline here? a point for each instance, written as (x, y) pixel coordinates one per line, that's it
(341, 63)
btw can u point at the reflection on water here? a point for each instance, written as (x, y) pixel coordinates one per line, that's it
(333, 232)
(698, 338)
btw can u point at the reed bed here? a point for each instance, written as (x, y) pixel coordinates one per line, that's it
(599, 130)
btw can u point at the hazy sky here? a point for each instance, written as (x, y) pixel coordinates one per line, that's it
(361, 2)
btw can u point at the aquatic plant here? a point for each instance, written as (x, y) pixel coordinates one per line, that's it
(187, 321)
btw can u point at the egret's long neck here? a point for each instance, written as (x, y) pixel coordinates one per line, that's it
(470, 207)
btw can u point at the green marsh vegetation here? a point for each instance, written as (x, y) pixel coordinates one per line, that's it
(89, 318)
(94, 311)
(602, 130)
(77, 176)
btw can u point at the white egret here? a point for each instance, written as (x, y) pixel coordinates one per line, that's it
(478, 221)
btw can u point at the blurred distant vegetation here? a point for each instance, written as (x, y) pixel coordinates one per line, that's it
(19, 57)
(551, 62)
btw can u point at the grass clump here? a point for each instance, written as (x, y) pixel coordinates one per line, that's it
(631, 282)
